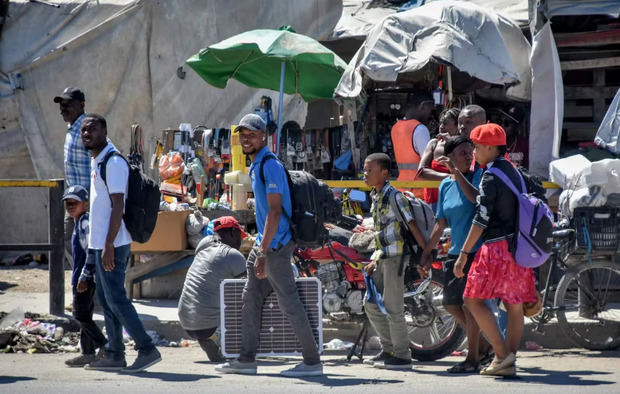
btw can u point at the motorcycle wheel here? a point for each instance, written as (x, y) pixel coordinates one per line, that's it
(441, 336)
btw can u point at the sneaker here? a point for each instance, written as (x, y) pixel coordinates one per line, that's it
(80, 361)
(395, 363)
(378, 358)
(146, 358)
(303, 369)
(106, 363)
(236, 366)
(212, 350)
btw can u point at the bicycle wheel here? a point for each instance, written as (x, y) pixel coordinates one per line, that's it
(433, 331)
(588, 305)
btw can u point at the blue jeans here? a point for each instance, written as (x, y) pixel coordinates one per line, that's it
(118, 310)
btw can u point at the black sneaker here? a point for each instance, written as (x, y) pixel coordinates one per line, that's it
(106, 363)
(146, 358)
(80, 361)
(377, 358)
(212, 350)
(396, 363)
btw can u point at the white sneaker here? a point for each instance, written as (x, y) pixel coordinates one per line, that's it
(238, 367)
(303, 369)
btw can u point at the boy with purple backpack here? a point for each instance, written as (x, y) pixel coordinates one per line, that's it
(494, 273)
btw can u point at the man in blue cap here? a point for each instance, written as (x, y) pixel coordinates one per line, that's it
(269, 263)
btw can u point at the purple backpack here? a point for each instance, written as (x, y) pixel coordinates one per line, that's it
(534, 239)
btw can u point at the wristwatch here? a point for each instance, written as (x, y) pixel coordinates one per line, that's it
(464, 252)
(259, 253)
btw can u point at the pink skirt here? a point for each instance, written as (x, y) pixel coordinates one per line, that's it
(495, 274)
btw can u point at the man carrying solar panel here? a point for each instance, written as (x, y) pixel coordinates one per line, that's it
(268, 265)
(217, 258)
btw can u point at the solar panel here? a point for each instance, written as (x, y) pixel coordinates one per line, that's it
(276, 335)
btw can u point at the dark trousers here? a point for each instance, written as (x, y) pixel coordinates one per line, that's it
(91, 336)
(281, 279)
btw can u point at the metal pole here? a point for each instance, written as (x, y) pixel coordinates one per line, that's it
(57, 239)
(282, 73)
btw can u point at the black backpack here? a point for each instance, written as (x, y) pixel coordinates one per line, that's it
(142, 202)
(313, 204)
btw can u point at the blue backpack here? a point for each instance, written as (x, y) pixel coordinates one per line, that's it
(533, 239)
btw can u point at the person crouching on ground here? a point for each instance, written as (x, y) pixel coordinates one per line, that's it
(387, 265)
(82, 279)
(494, 272)
(455, 209)
(217, 258)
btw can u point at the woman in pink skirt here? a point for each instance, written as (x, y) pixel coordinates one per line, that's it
(494, 272)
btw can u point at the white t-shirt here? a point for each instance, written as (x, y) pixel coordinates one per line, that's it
(117, 174)
(421, 137)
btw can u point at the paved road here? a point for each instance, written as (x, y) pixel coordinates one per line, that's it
(185, 370)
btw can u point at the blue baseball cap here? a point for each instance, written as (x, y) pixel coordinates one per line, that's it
(252, 122)
(75, 192)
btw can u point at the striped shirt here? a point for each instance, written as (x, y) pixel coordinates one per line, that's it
(77, 159)
(388, 237)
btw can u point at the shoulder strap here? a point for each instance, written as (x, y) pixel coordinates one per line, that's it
(396, 208)
(103, 168)
(502, 175)
(262, 164)
(104, 163)
(262, 178)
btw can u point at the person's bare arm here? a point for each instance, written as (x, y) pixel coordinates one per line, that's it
(417, 234)
(474, 235)
(426, 173)
(118, 205)
(274, 201)
(467, 188)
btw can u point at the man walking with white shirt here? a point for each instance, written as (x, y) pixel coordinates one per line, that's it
(109, 244)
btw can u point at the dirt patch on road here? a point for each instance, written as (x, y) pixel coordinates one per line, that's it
(28, 279)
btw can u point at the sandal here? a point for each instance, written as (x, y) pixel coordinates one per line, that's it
(487, 358)
(463, 367)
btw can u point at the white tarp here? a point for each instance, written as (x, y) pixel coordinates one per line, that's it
(547, 102)
(360, 16)
(608, 132)
(485, 45)
(125, 56)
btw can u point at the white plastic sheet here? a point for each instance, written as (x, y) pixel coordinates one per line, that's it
(483, 44)
(547, 102)
(609, 130)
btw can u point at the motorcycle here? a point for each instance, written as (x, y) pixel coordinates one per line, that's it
(433, 331)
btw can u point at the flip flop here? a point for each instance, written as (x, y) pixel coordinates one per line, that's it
(487, 358)
(463, 367)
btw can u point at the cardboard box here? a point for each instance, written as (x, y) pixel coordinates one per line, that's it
(169, 235)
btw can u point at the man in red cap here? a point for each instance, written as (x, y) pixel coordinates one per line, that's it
(494, 272)
(217, 258)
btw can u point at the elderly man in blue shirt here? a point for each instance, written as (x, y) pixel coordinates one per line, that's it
(76, 157)
(268, 265)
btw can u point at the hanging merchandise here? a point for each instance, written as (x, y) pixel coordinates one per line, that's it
(171, 166)
(136, 152)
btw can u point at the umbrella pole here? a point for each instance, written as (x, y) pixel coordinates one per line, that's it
(280, 98)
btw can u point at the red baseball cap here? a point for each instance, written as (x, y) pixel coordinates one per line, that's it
(228, 222)
(490, 134)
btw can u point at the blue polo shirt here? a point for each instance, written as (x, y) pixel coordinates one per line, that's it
(457, 210)
(276, 182)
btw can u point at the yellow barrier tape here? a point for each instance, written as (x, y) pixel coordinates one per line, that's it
(404, 185)
(28, 183)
